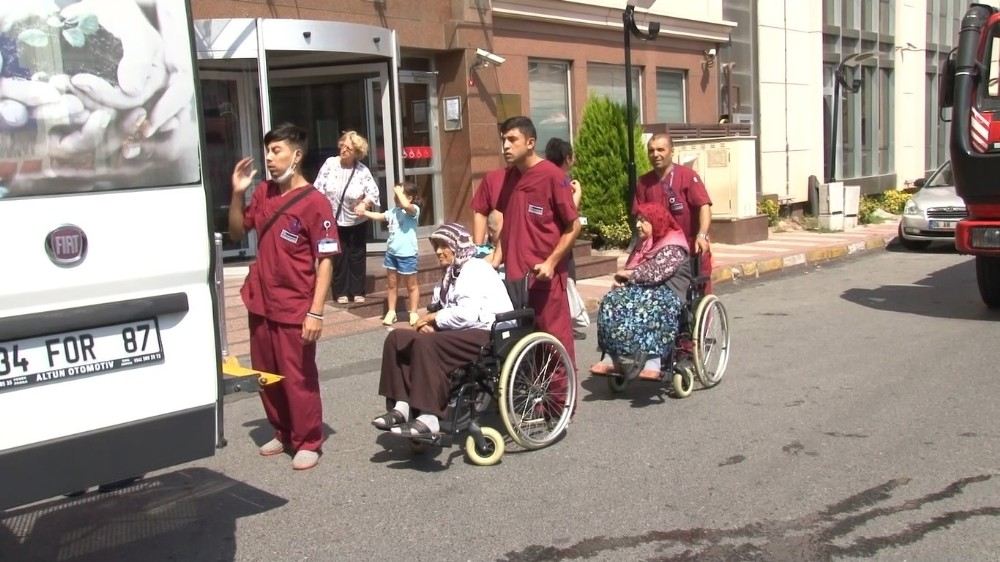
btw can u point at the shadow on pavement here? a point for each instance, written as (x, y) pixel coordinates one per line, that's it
(947, 293)
(185, 515)
(838, 530)
(400, 453)
(261, 431)
(639, 392)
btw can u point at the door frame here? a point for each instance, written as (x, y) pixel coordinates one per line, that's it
(249, 112)
(430, 80)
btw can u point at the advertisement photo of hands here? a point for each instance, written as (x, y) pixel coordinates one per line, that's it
(95, 95)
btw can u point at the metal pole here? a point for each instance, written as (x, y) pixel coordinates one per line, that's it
(627, 22)
(834, 123)
(220, 295)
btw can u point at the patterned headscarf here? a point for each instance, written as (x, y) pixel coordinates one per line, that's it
(460, 241)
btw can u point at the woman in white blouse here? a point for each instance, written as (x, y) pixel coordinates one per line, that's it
(351, 189)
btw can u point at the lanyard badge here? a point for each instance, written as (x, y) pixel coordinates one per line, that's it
(674, 203)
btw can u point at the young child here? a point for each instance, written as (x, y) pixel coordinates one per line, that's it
(401, 249)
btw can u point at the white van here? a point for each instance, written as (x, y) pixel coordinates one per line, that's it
(109, 356)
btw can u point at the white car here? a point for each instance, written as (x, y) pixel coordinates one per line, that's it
(932, 212)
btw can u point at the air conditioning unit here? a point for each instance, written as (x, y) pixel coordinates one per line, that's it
(728, 166)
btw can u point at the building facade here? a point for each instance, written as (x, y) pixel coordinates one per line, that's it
(880, 128)
(406, 75)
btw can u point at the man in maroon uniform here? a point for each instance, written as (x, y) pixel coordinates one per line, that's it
(286, 289)
(681, 191)
(539, 227)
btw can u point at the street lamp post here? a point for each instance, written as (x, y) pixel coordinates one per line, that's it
(840, 81)
(630, 28)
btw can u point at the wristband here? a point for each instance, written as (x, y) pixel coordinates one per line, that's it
(314, 315)
(702, 236)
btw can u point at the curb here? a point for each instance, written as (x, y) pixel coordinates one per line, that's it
(756, 268)
(815, 256)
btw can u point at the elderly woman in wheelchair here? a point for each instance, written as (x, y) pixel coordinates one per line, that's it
(416, 364)
(657, 312)
(638, 319)
(470, 351)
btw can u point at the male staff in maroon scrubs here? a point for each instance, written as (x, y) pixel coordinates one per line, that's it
(286, 289)
(680, 190)
(539, 227)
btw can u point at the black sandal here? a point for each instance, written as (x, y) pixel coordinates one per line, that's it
(389, 420)
(415, 428)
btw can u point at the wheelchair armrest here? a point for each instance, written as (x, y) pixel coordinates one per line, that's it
(700, 280)
(520, 314)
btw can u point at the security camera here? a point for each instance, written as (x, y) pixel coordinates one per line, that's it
(710, 53)
(491, 57)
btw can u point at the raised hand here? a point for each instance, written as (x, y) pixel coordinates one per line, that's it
(243, 174)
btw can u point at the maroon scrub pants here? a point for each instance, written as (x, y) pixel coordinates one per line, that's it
(552, 315)
(293, 405)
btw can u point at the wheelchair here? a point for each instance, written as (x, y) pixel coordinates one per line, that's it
(526, 374)
(701, 348)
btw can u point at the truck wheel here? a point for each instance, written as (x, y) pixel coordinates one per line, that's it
(988, 276)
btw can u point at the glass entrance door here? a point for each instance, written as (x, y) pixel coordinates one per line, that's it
(421, 156)
(330, 100)
(230, 109)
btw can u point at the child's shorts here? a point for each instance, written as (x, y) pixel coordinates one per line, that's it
(403, 265)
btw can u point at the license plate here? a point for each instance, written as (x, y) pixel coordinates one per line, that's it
(72, 355)
(942, 225)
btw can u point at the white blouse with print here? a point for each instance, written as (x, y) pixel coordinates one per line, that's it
(332, 180)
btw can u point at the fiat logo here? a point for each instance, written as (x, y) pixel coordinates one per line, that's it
(66, 245)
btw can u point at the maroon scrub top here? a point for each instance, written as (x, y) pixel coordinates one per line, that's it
(281, 283)
(537, 208)
(689, 190)
(487, 195)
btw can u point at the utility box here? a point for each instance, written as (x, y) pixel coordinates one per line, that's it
(852, 201)
(831, 206)
(728, 166)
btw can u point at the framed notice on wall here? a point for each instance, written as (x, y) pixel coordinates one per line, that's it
(420, 116)
(453, 113)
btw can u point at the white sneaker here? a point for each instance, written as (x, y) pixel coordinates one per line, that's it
(304, 460)
(271, 448)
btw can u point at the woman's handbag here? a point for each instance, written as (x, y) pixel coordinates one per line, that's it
(577, 308)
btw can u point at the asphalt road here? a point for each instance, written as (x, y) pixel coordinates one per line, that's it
(857, 420)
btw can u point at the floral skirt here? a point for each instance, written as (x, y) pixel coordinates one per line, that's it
(634, 320)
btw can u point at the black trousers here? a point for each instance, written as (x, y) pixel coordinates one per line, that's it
(349, 264)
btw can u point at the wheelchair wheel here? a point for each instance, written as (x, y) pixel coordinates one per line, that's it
(711, 344)
(488, 456)
(617, 383)
(683, 382)
(537, 390)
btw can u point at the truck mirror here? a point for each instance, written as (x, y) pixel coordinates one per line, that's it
(946, 87)
(919, 182)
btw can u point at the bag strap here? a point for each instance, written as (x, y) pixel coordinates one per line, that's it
(303, 191)
(340, 206)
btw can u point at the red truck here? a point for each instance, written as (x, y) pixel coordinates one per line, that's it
(970, 85)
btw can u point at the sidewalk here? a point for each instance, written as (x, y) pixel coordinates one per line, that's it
(782, 251)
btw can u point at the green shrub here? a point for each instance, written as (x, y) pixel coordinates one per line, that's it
(601, 156)
(867, 208)
(893, 201)
(770, 208)
(617, 233)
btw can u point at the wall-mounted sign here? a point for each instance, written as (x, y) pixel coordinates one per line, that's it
(453, 113)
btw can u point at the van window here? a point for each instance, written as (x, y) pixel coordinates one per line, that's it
(74, 118)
